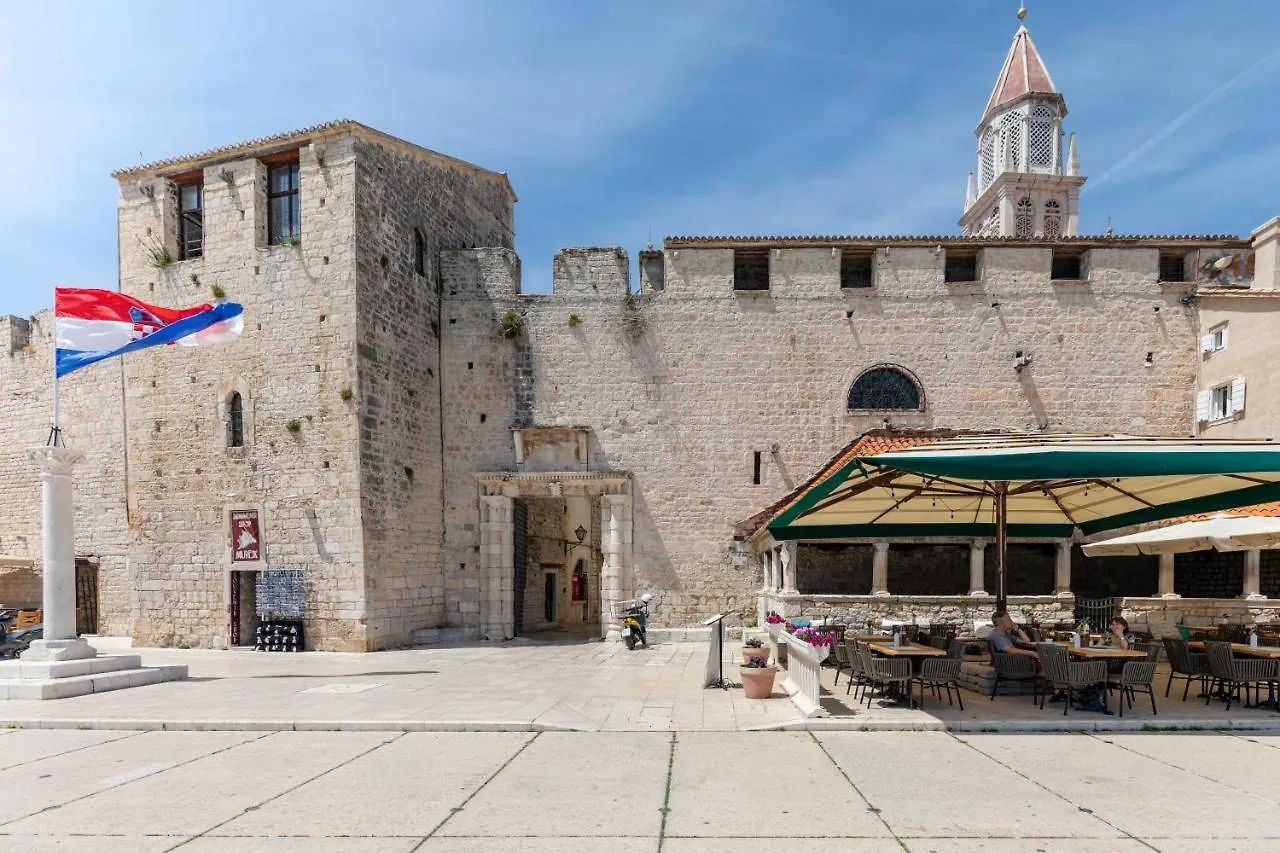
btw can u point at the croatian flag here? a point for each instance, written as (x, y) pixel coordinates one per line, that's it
(90, 325)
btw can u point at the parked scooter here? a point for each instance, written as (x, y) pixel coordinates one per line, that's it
(634, 619)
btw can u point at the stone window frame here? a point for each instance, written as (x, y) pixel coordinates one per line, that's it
(921, 399)
(227, 389)
(290, 159)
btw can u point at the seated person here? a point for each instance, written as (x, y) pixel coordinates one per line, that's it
(1119, 636)
(1005, 635)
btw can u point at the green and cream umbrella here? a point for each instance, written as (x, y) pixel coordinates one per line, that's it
(1029, 485)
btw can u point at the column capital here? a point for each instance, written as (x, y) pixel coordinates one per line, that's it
(54, 460)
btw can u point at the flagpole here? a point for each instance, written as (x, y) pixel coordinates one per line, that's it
(55, 432)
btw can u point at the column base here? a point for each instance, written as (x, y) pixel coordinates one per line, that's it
(1169, 595)
(979, 593)
(1064, 593)
(56, 650)
(1254, 596)
(881, 593)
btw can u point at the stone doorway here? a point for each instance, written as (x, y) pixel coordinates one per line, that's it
(86, 597)
(244, 608)
(573, 551)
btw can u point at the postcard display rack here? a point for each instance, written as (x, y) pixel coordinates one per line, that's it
(281, 603)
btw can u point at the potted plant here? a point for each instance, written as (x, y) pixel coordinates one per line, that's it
(773, 623)
(757, 679)
(754, 649)
(820, 640)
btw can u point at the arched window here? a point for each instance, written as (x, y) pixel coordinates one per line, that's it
(886, 387)
(1024, 222)
(235, 420)
(419, 252)
(1011, 142)
(1052, 219)
(1040, 138)
(988, 151)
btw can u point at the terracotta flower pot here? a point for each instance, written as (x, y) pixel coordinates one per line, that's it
(748, 653)
(758, 683)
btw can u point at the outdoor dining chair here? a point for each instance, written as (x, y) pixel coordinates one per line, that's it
(1070, 678)
(955, 650)
(840, 654)
(1230, 674)
(1136, 676)
(857, 672)
(1019, 668)
(1185, 665)
(940, 674)
(885, 674)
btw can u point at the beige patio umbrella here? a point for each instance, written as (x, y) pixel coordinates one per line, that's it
(1220, 533)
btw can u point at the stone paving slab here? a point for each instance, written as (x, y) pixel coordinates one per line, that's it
(606, 791)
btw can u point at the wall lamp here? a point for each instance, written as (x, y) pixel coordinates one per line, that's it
(581, 533)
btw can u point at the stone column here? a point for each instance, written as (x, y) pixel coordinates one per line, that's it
(1166, 577)
(1252, 575)
(978, 568)
(1062, 570)
(787, 559)
(615, 542)
(59, 559)
(497, 552)
(880, 568)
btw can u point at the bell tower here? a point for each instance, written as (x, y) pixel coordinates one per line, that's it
(1021, 188)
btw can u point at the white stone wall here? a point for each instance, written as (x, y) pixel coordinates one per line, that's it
(681, 387)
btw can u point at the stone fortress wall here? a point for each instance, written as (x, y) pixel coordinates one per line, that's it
(683, 383)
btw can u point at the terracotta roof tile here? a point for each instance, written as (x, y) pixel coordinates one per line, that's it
(867, 444)
(1023, 73)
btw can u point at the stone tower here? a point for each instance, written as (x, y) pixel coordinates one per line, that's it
(1022, 189)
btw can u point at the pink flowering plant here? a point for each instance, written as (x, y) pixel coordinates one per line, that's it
(774, 619)
(814, 637)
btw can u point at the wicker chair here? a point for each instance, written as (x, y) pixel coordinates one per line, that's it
(1185, 665)
(1232, 675)
(841, 659)
(885, 673)
(940, 674)
(1136, 677)
(1020, 668)
(857, 672)
(1068, 677)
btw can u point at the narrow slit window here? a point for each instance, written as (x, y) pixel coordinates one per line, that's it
(419, 252)
(755, 469)
(235, 420)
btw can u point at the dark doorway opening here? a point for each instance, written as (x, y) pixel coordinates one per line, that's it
(86, 597)
(520, 541)
(244, 608)
(549, 596)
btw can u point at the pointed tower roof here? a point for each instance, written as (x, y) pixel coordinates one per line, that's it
(1022, 74)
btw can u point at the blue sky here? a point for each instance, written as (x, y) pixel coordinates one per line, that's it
(617, 120)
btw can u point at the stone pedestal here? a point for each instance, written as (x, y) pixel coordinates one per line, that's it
(1062, 570)
(62, 664)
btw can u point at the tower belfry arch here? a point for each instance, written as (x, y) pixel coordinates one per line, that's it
(1027, 181)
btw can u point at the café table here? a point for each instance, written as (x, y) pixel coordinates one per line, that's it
(915, 652)
(1246, 650)
(1105, 653)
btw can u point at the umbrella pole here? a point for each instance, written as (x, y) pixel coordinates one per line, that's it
(1002, 542)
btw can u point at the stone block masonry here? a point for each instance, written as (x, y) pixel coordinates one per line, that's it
(684, 386)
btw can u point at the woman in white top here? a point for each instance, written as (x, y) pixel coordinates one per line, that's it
(1119, 637)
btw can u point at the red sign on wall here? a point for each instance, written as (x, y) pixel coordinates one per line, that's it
(246, 536)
